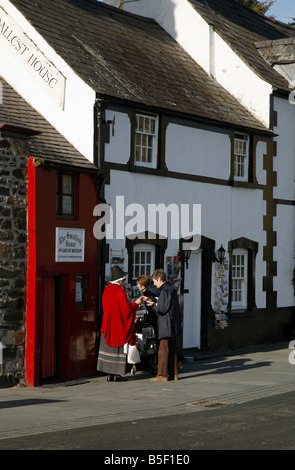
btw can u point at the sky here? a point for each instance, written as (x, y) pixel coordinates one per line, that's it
(282, 9)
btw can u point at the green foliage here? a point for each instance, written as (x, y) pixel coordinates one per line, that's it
(259, 6)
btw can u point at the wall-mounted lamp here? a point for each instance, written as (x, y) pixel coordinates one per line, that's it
(220, 254)
(184, 255)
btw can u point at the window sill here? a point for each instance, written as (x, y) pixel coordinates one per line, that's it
(146, 169)
(245, 184)
(66, 217)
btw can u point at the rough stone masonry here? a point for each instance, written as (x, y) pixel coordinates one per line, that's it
(13, 242)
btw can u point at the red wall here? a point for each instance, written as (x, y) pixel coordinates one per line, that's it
(76, 329)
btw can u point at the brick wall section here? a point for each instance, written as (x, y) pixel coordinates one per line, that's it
(13, 242)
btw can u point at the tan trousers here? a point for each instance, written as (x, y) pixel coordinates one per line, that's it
(167, 358)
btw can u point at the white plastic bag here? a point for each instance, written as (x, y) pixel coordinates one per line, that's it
(133, 356)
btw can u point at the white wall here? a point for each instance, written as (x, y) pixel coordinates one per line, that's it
(237, 77)
(118, 150)
(261, 148)
(75, 119)
(284, 254)
(227, 213)
(283, 223)
(196, 145)
(190, 30)
(284, 162)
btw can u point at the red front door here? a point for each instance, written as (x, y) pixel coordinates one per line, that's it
(82, 347)
(68, 328)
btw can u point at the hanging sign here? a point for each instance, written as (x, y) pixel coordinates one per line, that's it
(21, 47)
(69, 244)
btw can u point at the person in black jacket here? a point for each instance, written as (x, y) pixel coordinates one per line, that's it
(169, 327)
(151, 292)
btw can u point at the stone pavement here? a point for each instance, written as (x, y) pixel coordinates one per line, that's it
(208, 380)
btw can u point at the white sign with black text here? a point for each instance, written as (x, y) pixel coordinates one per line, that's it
(69, 244)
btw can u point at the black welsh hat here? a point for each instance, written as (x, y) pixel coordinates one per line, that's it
(117, 273)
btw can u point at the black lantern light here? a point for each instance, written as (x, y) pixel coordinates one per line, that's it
(220, 254)
(185, 256)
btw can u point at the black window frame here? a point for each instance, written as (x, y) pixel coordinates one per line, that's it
(60, 195)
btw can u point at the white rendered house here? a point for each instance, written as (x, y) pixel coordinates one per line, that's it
(192, 137)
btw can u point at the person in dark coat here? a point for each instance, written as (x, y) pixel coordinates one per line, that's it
(169, 327)
(150, 291)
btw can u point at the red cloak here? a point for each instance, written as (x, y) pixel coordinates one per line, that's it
(119, 315)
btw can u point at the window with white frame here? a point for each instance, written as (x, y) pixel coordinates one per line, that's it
(239, 274)
(146, 140)
(241, 157)
(143, 260)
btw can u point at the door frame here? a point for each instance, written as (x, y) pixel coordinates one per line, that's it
(59, 289)
(192, 295)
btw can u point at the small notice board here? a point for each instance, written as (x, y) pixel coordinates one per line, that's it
(69, 244)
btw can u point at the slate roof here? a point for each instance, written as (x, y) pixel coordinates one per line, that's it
(242, 28)
(48, 144)
(124, 56)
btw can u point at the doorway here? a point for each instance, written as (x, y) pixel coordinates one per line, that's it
(51, 327)
(192, 302)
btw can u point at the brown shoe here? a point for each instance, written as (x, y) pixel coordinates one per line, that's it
(159, 378)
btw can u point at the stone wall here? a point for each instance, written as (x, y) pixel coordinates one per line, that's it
(13, 243)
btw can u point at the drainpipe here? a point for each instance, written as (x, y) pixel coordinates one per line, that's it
(98, 152)
(100, 106)
(30, 353)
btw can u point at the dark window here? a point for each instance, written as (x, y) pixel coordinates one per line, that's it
(81, 298)
(65, 194)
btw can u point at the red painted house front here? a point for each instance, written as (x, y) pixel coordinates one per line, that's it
(51, 259)
(61, 274)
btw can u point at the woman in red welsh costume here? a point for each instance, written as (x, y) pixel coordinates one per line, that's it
(118, 327)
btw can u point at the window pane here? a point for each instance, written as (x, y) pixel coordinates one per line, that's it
(147, 125)
(144, 154)
(67, 184)
(240, 159)
(67, 205)
(140, 123)
(138, 154)
(239, 280)
(143, 261)
(153, 126)
(145, 139)
(138, 139)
